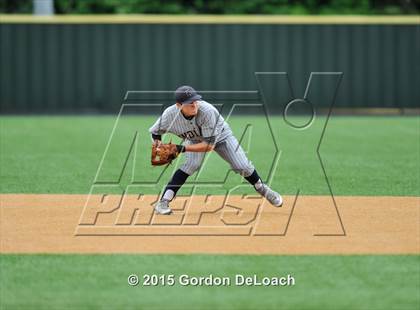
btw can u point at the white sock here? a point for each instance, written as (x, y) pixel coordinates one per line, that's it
(168, 195)
(258, 185)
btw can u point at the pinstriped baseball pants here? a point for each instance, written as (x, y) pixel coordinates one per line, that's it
(229, 149)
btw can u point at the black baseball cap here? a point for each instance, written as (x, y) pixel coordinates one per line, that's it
(186, 95)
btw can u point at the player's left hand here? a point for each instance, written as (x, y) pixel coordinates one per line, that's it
(163, 154)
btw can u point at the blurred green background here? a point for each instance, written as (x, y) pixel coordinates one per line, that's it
(85, 67)
(298, 7)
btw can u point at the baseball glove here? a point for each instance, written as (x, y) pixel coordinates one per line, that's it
(163, 154)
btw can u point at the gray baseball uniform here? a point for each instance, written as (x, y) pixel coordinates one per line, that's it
(207, 125)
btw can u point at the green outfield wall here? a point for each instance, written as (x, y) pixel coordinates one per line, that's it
(87, 65)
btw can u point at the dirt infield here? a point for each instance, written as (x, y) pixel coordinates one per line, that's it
(308, 225)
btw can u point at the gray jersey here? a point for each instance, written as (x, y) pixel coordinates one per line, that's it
(206, 124)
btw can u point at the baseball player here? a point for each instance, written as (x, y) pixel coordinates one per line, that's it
(202, 129)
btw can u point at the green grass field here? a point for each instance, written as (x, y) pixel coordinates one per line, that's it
(100, 282)
(362, 155)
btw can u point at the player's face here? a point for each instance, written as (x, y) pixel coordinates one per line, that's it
(189, 109)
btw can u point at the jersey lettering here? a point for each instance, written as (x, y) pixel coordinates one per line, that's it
(189, 134)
